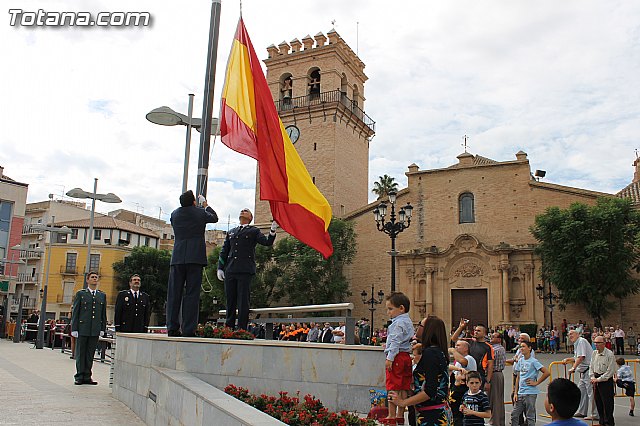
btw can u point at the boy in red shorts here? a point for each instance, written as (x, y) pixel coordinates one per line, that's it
(397, 350)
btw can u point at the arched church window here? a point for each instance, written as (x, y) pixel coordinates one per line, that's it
(314, 83)
(466, 206)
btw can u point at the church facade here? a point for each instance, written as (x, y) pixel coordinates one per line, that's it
(468, 252)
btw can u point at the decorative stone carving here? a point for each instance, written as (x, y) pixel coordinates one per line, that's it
(468, 270)
(514, 270)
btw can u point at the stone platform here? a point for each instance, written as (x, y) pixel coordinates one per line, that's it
(339, 375)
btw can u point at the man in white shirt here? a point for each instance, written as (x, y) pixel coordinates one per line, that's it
(619, 335)
(581, 361)
(338, 333)
(602, 369)
(463, 361)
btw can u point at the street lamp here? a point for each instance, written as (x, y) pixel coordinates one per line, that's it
(392, 227)
(43, 307)
(553, 300)
(165, 116)
(105, 198)
(372, 302)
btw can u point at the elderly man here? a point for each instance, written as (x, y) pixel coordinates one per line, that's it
(463, 361)
(581, 360)
(602, 368)
(496, 394)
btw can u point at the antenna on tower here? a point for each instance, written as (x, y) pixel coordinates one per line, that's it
(357, 36)
(466, 138)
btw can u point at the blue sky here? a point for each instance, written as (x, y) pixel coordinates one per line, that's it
(558, 80)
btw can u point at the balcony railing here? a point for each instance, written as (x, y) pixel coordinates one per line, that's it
(30, 230)
(30, 255)
(27, 277)
(325, 98)
(68, 270)
(29, 303)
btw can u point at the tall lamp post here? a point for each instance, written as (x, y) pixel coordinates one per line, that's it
(392, 227)
(53, 230)
(551, 300)
(165, 116)
(105, 198)
(372, 302)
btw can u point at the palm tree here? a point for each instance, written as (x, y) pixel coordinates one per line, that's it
(384, 185)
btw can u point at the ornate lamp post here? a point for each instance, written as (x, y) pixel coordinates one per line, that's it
(551, 300)
(372, 302)
(392, 227)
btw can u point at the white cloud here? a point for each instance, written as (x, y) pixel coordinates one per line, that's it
(558, 80)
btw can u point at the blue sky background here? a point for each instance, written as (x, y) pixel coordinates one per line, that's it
(558, 80)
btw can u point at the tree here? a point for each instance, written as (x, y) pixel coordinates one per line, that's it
(587, 253)
(384, 185)
(292, 271)
(153, 267)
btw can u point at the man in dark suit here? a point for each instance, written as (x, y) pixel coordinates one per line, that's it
(237, 266)
(88, 322)
(326, 335)
(187, 260)
(133, 308)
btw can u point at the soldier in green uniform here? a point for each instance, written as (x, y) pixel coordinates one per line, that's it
(88, 322)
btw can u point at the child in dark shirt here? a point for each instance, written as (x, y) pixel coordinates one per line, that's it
(457, 389)
(475, 403)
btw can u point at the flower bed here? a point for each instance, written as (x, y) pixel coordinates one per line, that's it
(292, 411)
(209, 330)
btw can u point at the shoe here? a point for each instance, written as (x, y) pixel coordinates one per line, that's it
(631, 413)
(72, 357)
(78, 382)
(90, 382)
(174, 333)
(579, 415)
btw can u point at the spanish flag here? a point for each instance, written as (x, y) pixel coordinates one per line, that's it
(250, 125)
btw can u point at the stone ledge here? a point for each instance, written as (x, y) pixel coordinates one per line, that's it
(225, 408)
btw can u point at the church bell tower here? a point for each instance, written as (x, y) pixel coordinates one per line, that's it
(318, 89)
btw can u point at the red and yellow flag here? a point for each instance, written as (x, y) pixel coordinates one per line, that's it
(250, 125)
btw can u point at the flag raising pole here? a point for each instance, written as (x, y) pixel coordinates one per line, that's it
(207, 106)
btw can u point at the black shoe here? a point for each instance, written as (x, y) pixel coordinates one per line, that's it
(631, 413)
(90, 382)
(78, 382)
(174, 333)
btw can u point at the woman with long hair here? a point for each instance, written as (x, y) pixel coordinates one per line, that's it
(431, 376)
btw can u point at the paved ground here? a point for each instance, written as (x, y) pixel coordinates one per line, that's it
(36, 387)
(621, 413)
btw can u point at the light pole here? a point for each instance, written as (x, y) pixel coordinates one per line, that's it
(553, 300)
(165, 116)
(105, 198)
(43, 306)
(372, 302)
(392, 227)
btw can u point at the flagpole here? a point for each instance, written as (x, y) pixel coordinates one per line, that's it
(207, 106)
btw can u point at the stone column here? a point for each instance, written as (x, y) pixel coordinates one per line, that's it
(428, 291)
(506, 306)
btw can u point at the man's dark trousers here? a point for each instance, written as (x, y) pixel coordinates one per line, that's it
(619, 345)
(191, 273)
(604, 393)
(237, 287)
(85, 350)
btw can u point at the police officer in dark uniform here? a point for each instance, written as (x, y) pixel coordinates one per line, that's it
(88, 322)
(237, 266)
(133, 308)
